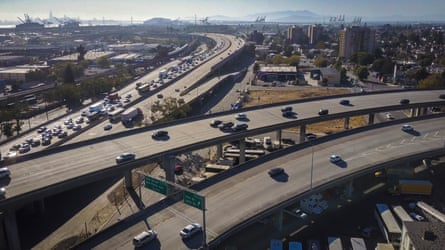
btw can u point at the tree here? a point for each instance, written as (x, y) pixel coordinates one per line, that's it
(68, 75)
(103, 62)
(321, 62)
(383, 65)
(361, 72)
(293, 60)
(431, 82)
(361, 58)
(417, 73)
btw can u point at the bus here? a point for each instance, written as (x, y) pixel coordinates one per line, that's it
(334, 243)
(387, 223)
(401, 214)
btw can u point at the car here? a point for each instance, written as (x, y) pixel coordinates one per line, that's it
(127, 156)
(15, 147)
(288, 141)
(301, 214)
(189, 230)
(240, 116)
(286, 109)
(35, 142)
(79, 120)
(144, 237)
(389, 116)
(46, 141)
(407, 127)
(159, 134)
(24, 148)
(62, 134)
(108, 127)
(334, 158)
(2, 192)
(344, 102)
(215, 123)
(323, 112)
(275, 171)
(4, 172)
(416, 216)
(310, 136)
(287, 114)
(225, 125)
(69, 125)
(239, 127)
(160, 96)
(85, 113)
(404, 101)
(126, 100)
(128, 96)
(77, 127)
(10, 155)
(41, 129)
(68, 121)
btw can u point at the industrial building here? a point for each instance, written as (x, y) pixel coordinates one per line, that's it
(18, 73)
(355, 39)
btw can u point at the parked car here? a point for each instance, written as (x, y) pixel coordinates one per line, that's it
(124, 157)
(416, 216)
(189, 230)
(323, 112)
(335, 158)
(275, 171)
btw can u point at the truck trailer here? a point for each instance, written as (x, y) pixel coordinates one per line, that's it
(129, 115)
(417, 187)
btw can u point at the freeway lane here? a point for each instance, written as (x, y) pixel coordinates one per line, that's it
(31, 175)
(246, 194)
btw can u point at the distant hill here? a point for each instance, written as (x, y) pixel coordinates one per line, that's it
(276, 16)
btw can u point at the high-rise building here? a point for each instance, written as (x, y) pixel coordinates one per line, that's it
(314, 32)
(291, 33)
(355, 39)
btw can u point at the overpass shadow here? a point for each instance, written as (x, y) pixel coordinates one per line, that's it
(135, 197)
(153, 245)
(413, 132)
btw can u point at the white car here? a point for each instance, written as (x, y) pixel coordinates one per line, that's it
(335, 158)
(389, 116)
(144, 237)
(2, 192)
(407, 127)
(190, 230)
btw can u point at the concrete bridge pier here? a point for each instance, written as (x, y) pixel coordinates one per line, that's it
(127, 179)
(302, 133)
(12, 233)
(219, 151)
(278, 136)
(242, 150)
(277, 220)
(371, 118)
(424, 110)
(168, 164)
(346, 125)
(39, 205)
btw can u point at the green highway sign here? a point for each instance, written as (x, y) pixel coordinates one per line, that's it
(194, 200)
(156, 185)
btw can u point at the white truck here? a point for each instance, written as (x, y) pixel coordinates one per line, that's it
(128, 116)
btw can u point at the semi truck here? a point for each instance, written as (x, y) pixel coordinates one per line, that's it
(417, 187)
(129, 115)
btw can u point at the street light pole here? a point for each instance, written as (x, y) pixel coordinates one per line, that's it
(312, 162)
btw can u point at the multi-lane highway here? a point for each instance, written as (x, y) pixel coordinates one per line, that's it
(53, 169)
(242, 196)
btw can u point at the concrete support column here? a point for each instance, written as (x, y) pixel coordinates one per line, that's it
(127, 179)
(219, 151)
(12, 233)
(349, 189)
(413, 112)
(278, 220)
(168, 164)
(242, 151)
(371, 118)
(424, 110)
(278, 135)
(346, 125)
(302, 133)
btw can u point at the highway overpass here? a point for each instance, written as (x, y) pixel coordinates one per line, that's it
(250, 194)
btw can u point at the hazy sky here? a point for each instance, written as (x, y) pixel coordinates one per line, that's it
(146, 9)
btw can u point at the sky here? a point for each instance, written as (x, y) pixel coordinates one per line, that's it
(186, 9)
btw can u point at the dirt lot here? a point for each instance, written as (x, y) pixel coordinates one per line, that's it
(259, 97)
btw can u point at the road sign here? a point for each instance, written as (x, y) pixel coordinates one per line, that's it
(156, 185)
(194, 200)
